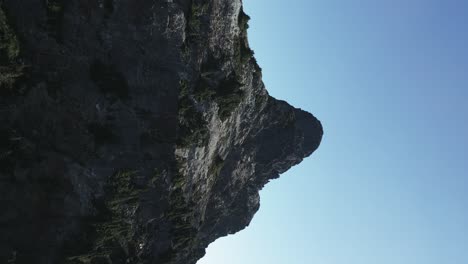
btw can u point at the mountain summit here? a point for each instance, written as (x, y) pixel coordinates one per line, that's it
(134, 131)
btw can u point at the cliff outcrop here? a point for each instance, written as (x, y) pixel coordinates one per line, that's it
(134, 131)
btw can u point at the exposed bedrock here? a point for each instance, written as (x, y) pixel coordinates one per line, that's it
(134, 131)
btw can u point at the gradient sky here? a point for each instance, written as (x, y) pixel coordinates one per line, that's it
(389, 81)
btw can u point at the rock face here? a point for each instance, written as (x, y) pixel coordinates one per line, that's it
(134, 131)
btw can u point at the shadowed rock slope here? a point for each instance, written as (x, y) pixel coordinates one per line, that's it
(134, 131)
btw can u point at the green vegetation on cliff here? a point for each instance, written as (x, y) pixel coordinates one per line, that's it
(10, 68)
(111, 233)
(192, 127)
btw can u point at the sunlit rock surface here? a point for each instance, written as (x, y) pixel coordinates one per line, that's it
(134, 131)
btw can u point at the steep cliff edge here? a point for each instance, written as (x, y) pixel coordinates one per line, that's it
(134, 131)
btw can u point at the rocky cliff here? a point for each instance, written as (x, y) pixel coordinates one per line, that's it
(134, 131)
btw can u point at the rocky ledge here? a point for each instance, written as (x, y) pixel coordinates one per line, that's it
(134, 131)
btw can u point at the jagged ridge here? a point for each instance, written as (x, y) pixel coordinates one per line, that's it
(134, 131)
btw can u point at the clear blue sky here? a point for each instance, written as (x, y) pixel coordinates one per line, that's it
(389, 184)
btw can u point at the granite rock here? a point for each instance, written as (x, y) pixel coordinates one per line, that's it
(134, 131)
